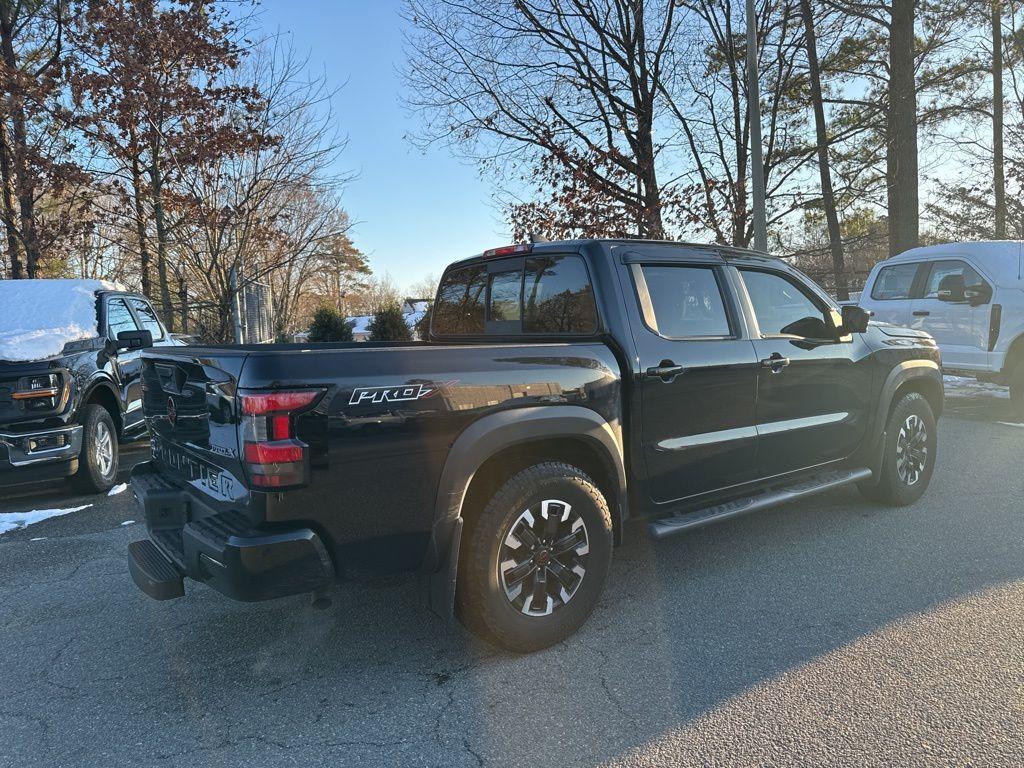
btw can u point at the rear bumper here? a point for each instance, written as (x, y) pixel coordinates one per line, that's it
(224, 551)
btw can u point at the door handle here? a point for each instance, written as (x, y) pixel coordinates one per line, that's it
(776, 362)
(666, 371)
(921, 313)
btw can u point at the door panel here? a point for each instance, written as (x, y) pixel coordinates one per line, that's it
(960, 329)
(698, 384)
(813, 391)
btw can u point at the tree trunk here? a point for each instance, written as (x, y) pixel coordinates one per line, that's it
(145, 258)
(7, 197)
(998, 172)
(24, 184)
(156, 186)
(828, 196)
(901, 131)
(653, 228)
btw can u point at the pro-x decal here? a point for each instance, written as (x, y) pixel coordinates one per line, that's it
(401, 394)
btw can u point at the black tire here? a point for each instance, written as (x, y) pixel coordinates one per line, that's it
(904, 478)
(483, 600)
(1017, 390)
(97, 463)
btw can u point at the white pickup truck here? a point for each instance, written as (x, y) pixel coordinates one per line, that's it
(969, 296)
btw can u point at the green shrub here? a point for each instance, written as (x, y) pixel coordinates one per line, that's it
(329, 325)
(389, 324)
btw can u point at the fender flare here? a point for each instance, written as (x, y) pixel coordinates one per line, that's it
(908, 370)
(482, 440)
(101, 382)
(901, 374)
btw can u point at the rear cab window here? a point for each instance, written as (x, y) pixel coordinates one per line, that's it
(532, 295)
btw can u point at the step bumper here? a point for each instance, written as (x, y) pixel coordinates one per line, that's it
(223, 551)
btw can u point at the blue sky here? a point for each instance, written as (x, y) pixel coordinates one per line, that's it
(414, 212)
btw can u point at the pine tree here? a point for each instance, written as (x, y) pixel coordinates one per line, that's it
(389, 324)
(329, 325)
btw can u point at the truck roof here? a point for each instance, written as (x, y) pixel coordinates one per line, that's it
(561, 246)
(1000, 258)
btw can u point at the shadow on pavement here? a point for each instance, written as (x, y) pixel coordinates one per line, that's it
(98, 671)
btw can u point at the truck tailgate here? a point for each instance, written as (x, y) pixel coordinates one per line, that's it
(189, 404)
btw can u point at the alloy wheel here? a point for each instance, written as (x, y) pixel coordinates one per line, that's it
(543, 556)
(912, 449)
(103, 449)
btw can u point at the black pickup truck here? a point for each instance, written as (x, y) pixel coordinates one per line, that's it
(64, 405)
(565, 389)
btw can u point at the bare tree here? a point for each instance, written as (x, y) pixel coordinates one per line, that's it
(518, 81)
(263, 213)
(998, 102)
(828, 197)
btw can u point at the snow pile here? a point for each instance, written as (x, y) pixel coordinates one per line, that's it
(12, 521)
(38, 317)
(962, 386)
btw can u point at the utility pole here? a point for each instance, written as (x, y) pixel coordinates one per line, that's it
(754, 112)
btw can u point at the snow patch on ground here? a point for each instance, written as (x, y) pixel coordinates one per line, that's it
(119, 488)
(12, 521)
(962, 386)
(40, 316)
(127, 522)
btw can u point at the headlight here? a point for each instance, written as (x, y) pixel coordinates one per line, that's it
(39, 392)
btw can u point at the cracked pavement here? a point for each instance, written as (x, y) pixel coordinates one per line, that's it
(829, 632)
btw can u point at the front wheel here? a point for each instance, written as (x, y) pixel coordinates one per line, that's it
(536, 559)
(97, 463)
(909, 457)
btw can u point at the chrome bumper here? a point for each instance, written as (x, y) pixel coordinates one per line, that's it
(22, 449)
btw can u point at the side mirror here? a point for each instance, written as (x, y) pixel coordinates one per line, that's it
(855, 319)
(976, 295)
(951, 288)
(134, 340)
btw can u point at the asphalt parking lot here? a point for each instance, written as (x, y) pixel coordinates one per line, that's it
(830, 632)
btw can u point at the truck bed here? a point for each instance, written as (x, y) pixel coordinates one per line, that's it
(378, 437)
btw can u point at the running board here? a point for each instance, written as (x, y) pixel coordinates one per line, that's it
(825, 481)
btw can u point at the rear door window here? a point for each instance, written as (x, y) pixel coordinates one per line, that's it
(894, 282)
(687, 302)
(559, 296)
(459, 309)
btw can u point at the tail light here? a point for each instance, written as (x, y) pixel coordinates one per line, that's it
(275, 457)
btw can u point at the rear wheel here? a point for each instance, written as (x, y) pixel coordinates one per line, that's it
(1017, 390)
(97, 463)
(909, 458)
(536, 559)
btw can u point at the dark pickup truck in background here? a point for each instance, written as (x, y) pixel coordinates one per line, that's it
(565, 389)
(64, 415)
